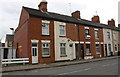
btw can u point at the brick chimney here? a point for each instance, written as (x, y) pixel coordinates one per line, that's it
(111, 22)
(76, 14)
(95, 19)
(43, 6)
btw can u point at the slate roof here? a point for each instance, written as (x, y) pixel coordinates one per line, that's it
(9, 37)
(64, 18)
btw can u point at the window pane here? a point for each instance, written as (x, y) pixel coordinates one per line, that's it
(62, 49)
(87, 31)
(43, 45)
(35, 52)
(47, 45)
(96, 34)
(45, 50)
(62, 30)
(88, 49)
(114, 36)
(108, 34)
(45, 28)
(97, 49)
(32, 51)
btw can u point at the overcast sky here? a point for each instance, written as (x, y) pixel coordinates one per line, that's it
(10, 10)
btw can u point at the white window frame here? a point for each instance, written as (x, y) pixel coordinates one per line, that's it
(114, 36)
(45, 29)
(62, 45)
(44, 45)
(108, 35)
(64, 29)
(87, 34)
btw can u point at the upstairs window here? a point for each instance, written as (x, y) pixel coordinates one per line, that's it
(96, 35)
(108, 35)
(114, 36)
(45, 28)
(87, 33)
(62, 30)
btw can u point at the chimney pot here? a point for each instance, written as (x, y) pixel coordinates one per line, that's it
(95, 19)
(76, 14)
(43, 6)
(111, 22)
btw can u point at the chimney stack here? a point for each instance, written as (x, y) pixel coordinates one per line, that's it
(95, 19)
(111, 22)
(43, 6)
(76, 14)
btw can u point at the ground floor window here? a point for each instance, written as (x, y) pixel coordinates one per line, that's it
(45, 50)
(88, 52)
(97, 49)
(62, 49)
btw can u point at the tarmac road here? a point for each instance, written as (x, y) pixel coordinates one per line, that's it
(105, 67)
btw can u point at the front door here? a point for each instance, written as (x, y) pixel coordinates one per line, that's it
(77, 51)
(102, 50)
(5, 53)
(71, 51)
(106, 49)
(34, 53)
(82, 51)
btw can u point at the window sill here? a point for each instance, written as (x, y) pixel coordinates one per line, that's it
(88, 54)
(62, 36)
(87, 38)
(63, 56)
(45, 35)
(96, 38)
(45, 56)
(98, 53)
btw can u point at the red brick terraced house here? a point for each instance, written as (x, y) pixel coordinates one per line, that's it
(45, 37)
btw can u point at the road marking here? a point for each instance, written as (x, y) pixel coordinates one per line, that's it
(35, 71)
(109, 64)
(87, 69)
(74, 71)
(59, 67)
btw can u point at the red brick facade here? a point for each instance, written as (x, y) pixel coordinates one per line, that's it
(72, 33)
(30, 29)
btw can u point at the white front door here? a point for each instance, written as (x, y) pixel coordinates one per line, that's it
(34, 53)
(71, 51)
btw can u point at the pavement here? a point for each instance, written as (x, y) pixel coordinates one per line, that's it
(56, 64)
